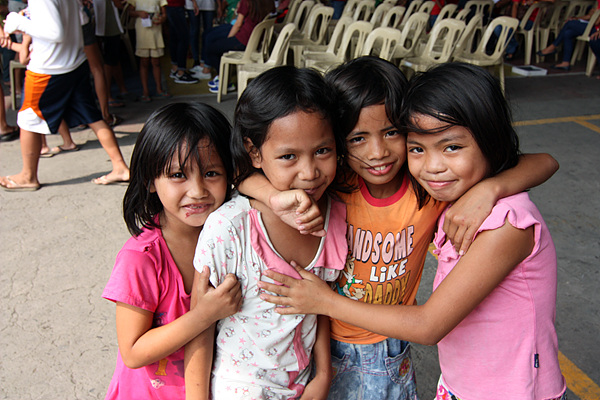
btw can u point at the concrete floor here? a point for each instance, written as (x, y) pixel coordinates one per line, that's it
(59, 243)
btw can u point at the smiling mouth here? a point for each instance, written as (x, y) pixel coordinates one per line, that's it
(380, 169)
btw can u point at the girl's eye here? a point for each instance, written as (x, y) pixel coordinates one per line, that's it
(177, 175)
(453, 147)
(212, 174)
(415, 150)
(355, 140)
(393, 132)
(324, 150)
(288, 157)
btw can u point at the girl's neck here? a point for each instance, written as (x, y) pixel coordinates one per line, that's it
(181, 240)
(287, 241)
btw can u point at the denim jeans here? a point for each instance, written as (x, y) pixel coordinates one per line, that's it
(376, 371)
(568, 35)
(204, 19)
(178, 36)
(217, 43)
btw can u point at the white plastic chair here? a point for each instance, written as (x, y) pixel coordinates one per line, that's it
(409, 38)
(467, 42)
(440, 46)
(529, 34)
(364, 10)
(334, 41)
(350, 7)
(257, 47)
(323, 61)
(379, 14)
(302, 14)
(427, 6)
(393, 17)
(583, 39)
(413, 7)
(313, 33)
(381, 42)
(277, 57)
(550, 26)
(480, 56)
(483, 7)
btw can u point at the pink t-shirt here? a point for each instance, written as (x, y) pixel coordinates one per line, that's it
(506, 348)
(145, 276)
(248, 24)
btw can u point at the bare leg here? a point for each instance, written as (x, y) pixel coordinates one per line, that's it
(108, 140)
(94, 57)
(144, 65)
(31, 144)
(65, 134)
(4, 127)
(157, 75)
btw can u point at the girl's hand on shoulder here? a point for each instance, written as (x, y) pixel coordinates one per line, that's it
(308, 295)
(466, 216)
(219, 302)
(298, 210)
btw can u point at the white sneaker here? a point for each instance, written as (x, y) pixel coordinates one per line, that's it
(197, 73)
(214, 83)
(230, 88)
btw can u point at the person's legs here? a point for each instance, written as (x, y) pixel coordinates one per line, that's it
(194, 35)
(156, 73)
(4, 127)
(216, 34)
(92, 52)
(178, 36)
(144, 65)
(31, 144)
(566, 37)
(207, 26)
(108, 141)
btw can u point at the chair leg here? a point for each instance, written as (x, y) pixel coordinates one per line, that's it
(223, 80)
(590, 63)
(528, 46)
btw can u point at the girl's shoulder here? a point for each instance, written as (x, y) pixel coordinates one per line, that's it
(518, 209)
(234, 213)
(149, 239)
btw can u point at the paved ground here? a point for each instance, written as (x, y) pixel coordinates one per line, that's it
(58, 246)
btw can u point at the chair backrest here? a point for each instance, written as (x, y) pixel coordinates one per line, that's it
(391, 2)
(280, 49)
(338, 33)
(363, 11)
(483, 7)
(427, 6)
(465, 43)
(318, 21)
(552, 19)
(393, 17)
(588, 29)
(463, 14)
(411, 33)
(302, 13)
(259, 40)
(540, 7)
(578, 8)
(509, 26)
(447, 11)
(381, 42)
(292, 10)
(350, 7)
(444, 36)
(379, 14)
(358, 29)
(412, 8)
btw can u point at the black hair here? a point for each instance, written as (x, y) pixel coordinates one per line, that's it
(464, 95)
(275, 94)
(363, 82)
(175, 128)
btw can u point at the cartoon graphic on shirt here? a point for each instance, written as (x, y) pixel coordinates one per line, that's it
(353, 288)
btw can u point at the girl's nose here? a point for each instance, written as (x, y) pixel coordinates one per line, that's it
(197, 188)
(309, 171)
(377, 149)
(434, 163)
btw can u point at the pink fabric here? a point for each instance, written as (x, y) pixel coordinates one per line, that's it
(492, 353)
(146, 276)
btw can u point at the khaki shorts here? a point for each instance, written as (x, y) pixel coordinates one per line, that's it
(150, 53)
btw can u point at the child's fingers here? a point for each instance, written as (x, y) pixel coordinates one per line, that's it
(313, 226)
(203, 281)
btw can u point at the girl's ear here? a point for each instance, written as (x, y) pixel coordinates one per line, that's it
(152, 187)
(253, 152)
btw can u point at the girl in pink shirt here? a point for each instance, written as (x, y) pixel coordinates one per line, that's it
(180, 173)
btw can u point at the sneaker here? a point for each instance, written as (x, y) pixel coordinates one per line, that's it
(173, 74)
(230, 88)
(197, 73)
(185, 79)
(214, 83)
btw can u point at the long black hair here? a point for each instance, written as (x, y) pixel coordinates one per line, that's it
(364, 82)
(175, 128)
(275, 94)
(464, 95)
